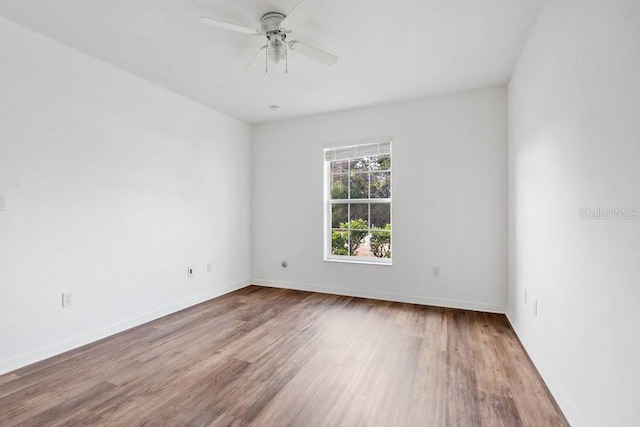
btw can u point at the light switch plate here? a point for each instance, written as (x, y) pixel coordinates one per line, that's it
(1, 202)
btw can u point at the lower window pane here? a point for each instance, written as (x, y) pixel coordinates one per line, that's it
(358, 243)
(339, 242)
(339, 216)
(380, 215)
(380, 243)
(359, 215)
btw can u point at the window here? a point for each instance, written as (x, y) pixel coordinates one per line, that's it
(358, 203)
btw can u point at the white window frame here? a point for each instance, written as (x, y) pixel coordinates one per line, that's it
(360, 149)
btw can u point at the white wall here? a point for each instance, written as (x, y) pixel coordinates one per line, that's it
(450, 201)
(112, 188)
(574, 142)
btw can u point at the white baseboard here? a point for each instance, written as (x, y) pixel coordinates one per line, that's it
(511, 318)
(412, 299)
(26, 359)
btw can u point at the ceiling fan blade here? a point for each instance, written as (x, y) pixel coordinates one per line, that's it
(300, 13)
(313, 52)
(254, 57)
(228, 25)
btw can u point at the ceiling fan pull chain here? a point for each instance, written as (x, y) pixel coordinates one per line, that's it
(286, 60)
(266, 60)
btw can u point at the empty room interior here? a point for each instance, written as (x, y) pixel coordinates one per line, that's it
(197, 198)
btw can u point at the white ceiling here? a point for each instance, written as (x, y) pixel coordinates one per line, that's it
(389, 50)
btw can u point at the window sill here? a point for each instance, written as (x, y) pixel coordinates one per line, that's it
(368, 261)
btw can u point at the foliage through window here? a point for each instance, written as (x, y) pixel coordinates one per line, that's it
(358, 202)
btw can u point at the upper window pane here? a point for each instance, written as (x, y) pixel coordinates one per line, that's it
(380, 163)
(339, 186)
(359, 185)
(340, 166)
(381, 185)
(360, 164)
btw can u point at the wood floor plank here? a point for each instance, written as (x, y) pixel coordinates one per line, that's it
(270, 357)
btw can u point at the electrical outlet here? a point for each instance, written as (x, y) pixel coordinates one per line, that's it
(67, 299)
(535, 308)
(436, 271)
(525, 296)
(189, 271)
(209, 267)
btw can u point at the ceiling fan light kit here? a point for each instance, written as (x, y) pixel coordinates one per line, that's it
(276, 50)
(277, 47)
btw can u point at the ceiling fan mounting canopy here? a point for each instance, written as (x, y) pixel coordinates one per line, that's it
(271, 21)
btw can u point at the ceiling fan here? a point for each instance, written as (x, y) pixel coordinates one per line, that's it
(273, 25)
